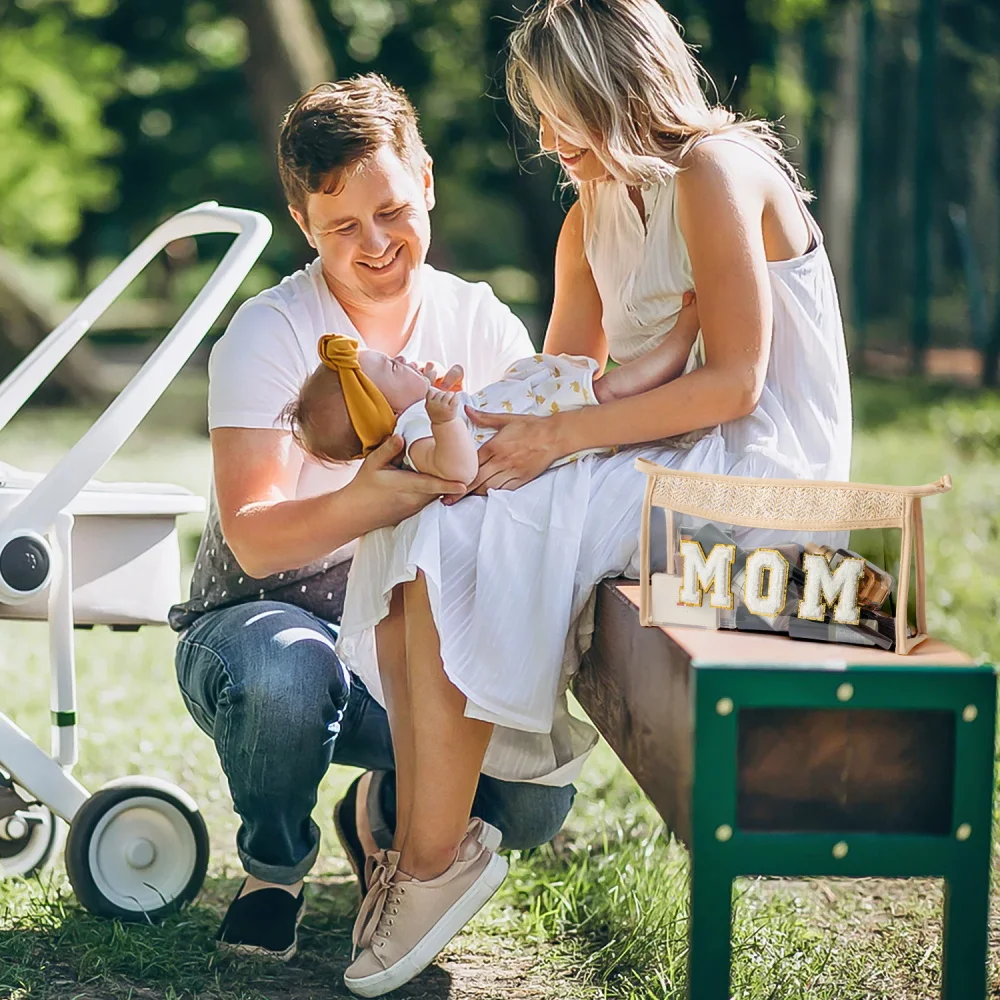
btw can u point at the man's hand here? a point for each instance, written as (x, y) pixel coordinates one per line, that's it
(522, 449)
(442, 407)
(396, 494)
(451, 380)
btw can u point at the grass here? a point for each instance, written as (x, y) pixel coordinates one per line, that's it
(599, 913)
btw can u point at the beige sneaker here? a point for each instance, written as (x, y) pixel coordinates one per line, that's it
(363, 865)
(404, 923)
(487, 834)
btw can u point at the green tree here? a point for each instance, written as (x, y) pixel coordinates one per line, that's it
(55, 82)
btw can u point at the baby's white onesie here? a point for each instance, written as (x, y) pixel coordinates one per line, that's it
(537, 386)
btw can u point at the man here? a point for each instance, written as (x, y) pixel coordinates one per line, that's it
(255, 660)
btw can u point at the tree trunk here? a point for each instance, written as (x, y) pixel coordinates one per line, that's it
(738, 44)
(836, 211)
(923, 182)
(991, 356)
(25, 320)
(288, 56)
(791, 66)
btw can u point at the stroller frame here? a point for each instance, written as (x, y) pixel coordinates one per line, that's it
(35, 536)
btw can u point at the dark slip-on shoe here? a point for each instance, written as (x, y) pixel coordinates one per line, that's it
(263, 923)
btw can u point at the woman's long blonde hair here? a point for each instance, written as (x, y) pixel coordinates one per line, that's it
(616, 76)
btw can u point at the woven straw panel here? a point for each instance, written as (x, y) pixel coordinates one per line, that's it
(774, 505)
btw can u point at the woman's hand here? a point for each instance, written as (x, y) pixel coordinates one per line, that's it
(522, 449)
(688, 323)
(396, 494)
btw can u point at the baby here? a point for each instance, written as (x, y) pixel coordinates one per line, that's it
(357, 398)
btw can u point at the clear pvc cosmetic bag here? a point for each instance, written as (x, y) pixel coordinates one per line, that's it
(812, 560)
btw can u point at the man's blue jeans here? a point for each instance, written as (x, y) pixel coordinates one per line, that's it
(263, 680)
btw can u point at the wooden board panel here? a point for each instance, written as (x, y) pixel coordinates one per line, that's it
(847, 770)
(850, 771)
(634, 685)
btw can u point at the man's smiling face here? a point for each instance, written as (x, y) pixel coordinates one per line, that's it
(373, 230)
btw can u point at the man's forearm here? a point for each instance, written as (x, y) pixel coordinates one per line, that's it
(275, 536)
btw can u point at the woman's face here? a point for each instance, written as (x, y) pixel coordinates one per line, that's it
(579, 161)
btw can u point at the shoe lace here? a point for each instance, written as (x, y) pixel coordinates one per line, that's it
(382, 893)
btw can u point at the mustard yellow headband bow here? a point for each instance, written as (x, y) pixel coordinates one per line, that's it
(372, 416)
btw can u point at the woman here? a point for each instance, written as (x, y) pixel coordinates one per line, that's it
(674, 194)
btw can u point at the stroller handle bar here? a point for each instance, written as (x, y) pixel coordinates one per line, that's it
(23, 550)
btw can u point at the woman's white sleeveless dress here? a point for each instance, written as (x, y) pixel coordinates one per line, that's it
(511, 575)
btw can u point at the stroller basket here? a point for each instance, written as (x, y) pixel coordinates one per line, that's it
(124, 550)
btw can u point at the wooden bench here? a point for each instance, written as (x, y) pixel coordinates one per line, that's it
(769, 756)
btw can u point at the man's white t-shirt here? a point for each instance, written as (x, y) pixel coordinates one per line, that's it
(269, 349)
(258, 366)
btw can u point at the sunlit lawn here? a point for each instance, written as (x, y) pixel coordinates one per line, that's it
(601, 913)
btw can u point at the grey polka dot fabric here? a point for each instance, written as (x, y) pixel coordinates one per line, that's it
(219, 581)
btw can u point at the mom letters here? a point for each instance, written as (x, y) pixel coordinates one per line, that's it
(765, 582)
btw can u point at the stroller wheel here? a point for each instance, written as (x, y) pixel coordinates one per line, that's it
(137, 850)
(29, 839)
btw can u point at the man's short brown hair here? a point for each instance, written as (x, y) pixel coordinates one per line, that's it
(340, 125)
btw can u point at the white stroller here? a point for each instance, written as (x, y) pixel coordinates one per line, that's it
(73, 551)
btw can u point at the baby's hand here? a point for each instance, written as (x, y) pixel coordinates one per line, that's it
(442, 406)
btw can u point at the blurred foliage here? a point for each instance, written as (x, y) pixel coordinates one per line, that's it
(973, 430)
(966, 157)
(115, 114)
(184, 118)
(151, 109)
(910, 433)
(55, 82)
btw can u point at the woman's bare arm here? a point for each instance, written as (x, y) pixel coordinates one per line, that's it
(720, 217)
(662, 364)
(719, 211)
(575, 324)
